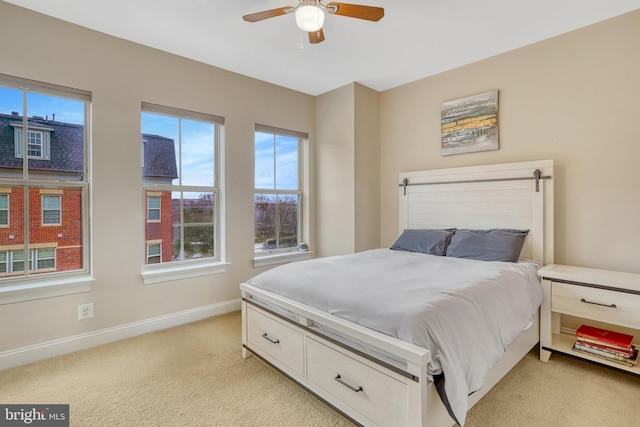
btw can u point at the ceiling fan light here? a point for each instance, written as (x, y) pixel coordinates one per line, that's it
(309, 18)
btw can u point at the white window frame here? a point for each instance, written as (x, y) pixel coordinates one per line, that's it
(36, 258)
(159, 254)
(45, 149)
(43, 210)
(9, 262)
(49, 284)
(282, 255)
(159, 209)
(175, 270)
(32, 262)
(34, 144)
(7, 209)
(4, 262)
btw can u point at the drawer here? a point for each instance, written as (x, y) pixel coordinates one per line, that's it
(596, 304)
(370, 392)
(276, 338)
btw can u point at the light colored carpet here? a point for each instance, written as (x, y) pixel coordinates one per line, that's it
(194, 375)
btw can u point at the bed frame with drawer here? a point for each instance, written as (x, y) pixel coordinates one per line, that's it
(364, 387)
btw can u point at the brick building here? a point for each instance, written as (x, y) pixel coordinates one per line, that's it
(56, 153)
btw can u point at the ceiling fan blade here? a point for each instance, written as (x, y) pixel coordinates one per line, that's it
(370, 13)
(316, 36)
(259, 16)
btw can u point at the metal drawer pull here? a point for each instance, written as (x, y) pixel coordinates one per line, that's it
(266, 337)
(349, 386)
(597, 303)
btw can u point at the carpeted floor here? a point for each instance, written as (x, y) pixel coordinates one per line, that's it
(194, 375)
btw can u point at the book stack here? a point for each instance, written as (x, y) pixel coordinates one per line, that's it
(609, 345)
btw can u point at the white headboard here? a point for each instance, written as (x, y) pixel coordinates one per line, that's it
(507, 195)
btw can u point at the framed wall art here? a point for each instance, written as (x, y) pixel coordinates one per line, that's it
(470, 124)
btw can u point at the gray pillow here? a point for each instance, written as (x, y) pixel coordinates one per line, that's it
(487, 245)
(426, 241)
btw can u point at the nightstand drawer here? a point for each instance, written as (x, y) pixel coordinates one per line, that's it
(598, 304)
(268, 334)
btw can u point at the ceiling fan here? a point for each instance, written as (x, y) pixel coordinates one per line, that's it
(310, 15)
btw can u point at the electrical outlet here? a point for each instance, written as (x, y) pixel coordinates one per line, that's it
(85, 311)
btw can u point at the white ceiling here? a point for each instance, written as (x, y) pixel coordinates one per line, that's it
(415, 39)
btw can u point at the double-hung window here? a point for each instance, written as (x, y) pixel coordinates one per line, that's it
(51, 209)
(279, 190)
(44, 243)
(4, 209)
(153, 207)
(181, 186)
(34, 144)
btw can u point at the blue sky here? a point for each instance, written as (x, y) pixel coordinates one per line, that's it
(286, 164)
(197, 145)
(66, 110)
(197, 140)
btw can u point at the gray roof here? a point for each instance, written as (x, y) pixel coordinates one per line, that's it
(66, 142)
(67, 148)
(159, 157)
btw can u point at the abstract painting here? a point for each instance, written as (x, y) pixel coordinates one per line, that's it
(470, 124)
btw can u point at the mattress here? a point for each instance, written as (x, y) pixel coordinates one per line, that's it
(466, 312)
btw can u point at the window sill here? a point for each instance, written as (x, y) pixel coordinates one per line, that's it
(39, 288)
(168, 273)
(266, 260)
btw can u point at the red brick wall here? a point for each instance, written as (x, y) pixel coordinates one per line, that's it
(161, 230)
(67, 236)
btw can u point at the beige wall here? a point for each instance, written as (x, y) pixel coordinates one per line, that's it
(120, 76)
(348, 160)
(335, 184)
(573, 98)
(367, 168)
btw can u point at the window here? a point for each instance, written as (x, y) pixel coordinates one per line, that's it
(34, 144)
(39, 259)
(4, 209)
(278, 190)
(43, 195)
(153, 253)
(51, 210)
(180, 152)
(153, 208)
(44, 259)
(11, 261)
(38, 141)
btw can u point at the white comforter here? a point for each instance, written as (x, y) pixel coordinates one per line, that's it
(466, 312)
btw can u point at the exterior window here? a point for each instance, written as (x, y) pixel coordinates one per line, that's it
(180, 182)
(16, 263)
(44, 259)
(50, 124)
(153, 208)
(39, 259)
(34, 144)
(51, 210)
(38, 141)
(278, 189)
(154, 251)
(4, 211)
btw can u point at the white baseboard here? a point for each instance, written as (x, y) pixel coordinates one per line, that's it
(45, 350)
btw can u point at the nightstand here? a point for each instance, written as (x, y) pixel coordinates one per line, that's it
(573, 296)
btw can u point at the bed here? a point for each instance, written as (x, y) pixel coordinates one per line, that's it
(314, 328)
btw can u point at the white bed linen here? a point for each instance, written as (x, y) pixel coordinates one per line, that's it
(466, 312)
